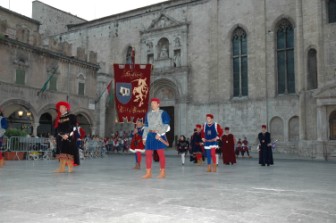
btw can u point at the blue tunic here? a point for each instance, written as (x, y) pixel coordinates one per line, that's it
(157, 121)
(210, 133)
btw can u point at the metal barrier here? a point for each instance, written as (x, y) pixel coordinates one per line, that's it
(29, 147)
(4, 143)
(94, 148)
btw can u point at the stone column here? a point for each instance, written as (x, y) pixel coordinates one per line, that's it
(302, 117)
(181, 121)
(300, 74)
(35, 126)
(101, 105)
(322, 123)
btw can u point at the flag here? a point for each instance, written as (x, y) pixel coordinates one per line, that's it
(131, 86)
(45, 85)
(110, 94)
(108, 88)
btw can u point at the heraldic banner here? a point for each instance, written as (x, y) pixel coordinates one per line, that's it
(131, 90)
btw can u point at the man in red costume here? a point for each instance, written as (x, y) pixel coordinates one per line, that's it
(137, 146)
(65, 126)
(197, 144)
(228, 142)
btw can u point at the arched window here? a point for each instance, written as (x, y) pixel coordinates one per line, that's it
(45, 126)
(277, 129)
(20, 77)
(293, 129)
(312, 70)
(285, 57)
(52, 71)
(163, 47)
(331, 11)
(81, 84)
(53, 83)
(239, 60)
(130, 55)
(332, 125)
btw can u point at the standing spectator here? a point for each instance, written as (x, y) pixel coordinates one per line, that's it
(182, 147)
(239, 149)
(154, 137)
(245, 148)
(219, 151)
(116, 144)
(197, 144)
(210, 134)
(228, 142)
(265, 146)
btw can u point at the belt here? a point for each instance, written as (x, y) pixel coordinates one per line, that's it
(154, 131)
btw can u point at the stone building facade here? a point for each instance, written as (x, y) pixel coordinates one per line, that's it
(248, 62)
(26, 65)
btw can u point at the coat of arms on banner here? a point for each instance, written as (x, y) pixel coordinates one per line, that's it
(132, 90)
(123, 92)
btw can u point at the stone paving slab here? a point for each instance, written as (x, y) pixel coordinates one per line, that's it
(109, 190)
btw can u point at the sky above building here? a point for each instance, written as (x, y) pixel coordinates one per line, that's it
(85, 9)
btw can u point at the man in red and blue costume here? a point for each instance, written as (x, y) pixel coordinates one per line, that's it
(3, 127)
(154, 137)
(211, 132)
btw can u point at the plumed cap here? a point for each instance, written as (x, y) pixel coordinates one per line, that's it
(64, 103)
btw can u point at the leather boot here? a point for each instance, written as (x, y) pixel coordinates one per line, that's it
(61, 167)
(137, 166)
(162, 174)
(214, 167)
(209, 168)
(70, 166)
(148, 174)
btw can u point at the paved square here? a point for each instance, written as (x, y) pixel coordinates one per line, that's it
(109, 190)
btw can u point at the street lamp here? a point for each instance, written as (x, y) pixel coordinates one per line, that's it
(20, 113)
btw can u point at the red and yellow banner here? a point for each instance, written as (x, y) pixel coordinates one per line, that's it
(132, 84)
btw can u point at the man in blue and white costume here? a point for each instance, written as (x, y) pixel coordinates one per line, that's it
(154, 137)
(3, 127)
(211, 133)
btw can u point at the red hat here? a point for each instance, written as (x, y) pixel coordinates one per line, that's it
(210, 115)
(264, 126)
(156, 99)
(227, 128)
(64, 103)
(198, 126)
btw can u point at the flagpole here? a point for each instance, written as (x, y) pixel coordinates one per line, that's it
(108, 86)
